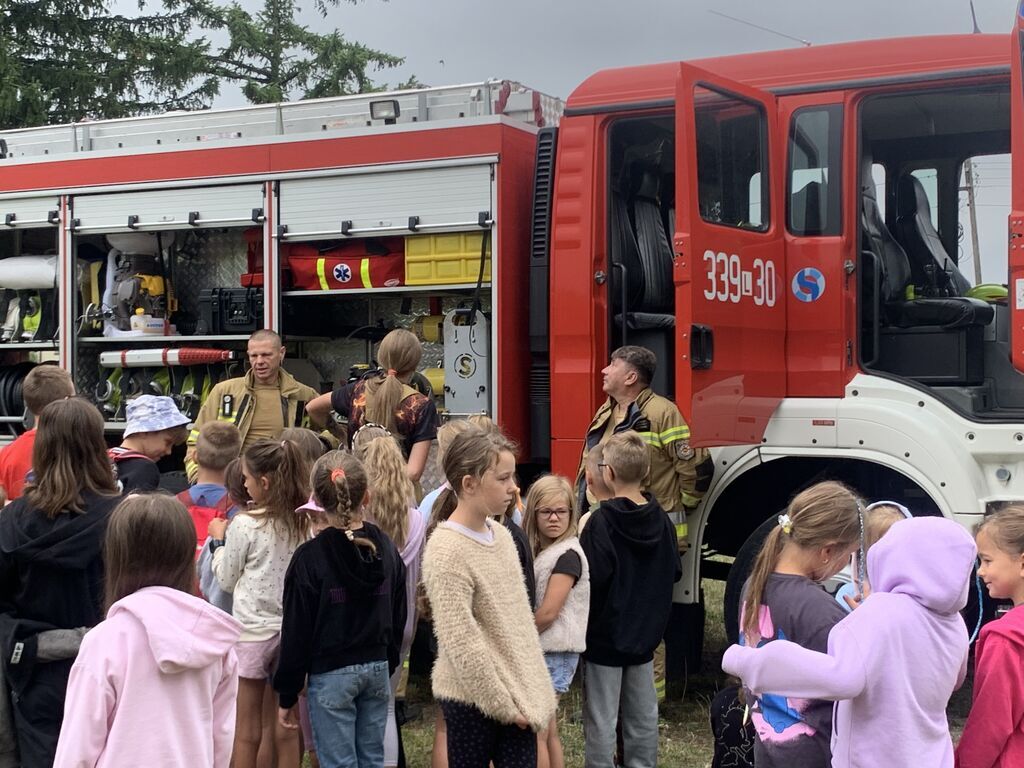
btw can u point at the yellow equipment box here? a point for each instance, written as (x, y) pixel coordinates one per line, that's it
(445, 259)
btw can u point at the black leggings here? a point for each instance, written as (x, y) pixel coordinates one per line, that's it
(475, 740)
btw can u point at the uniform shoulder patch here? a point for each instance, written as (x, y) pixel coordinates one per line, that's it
(683, 450)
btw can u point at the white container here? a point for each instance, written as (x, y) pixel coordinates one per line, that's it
(153, 326)
(139, 320)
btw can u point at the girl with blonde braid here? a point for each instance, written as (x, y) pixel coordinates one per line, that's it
(344, 611)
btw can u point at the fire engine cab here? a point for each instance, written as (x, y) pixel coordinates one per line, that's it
(786, 230)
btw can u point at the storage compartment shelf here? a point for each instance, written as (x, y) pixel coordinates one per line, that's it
(30, 346)
(399, 289)
(155, 340)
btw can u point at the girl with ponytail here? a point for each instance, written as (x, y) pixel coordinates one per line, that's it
(783, 599)
(344, 613)
(386, 397)
(249, 560)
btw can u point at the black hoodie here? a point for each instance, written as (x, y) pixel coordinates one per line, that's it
(342, 606)
(51, 572)
(634, 561)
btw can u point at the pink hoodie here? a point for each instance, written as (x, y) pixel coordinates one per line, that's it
(893, 663)
(154, 684)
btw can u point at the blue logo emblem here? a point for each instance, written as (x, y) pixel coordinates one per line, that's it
(342, 273)
(808, 284)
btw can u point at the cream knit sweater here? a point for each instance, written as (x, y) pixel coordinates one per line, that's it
(488, 653)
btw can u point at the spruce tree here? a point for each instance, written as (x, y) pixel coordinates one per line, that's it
(274, 58)
(63, 61)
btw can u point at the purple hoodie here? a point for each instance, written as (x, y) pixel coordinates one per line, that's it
(893, 663)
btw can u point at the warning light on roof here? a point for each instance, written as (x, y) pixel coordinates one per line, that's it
(386, 110)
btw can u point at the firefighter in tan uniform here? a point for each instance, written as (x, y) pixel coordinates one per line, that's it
(261, 403)
(680, 474)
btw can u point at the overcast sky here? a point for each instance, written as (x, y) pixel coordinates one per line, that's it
(552, 45)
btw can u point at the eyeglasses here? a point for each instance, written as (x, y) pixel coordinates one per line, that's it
(549, 513)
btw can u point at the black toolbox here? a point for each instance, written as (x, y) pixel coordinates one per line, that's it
(229, 311)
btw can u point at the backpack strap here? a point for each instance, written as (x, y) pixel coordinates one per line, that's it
(121, 454)
(185, 497)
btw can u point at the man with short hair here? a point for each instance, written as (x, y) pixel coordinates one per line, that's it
(43, 385)
(261, 403)
(680, 474)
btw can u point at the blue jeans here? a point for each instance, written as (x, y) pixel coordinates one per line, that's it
(348, 709)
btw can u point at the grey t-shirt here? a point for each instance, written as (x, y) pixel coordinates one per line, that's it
(793, 733)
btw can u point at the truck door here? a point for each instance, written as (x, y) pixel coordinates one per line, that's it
(729, 261)
(1015, 257)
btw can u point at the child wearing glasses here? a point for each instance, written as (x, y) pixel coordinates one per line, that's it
(563, 593)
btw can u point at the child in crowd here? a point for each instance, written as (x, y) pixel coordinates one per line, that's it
(633, 555)
(43, 385)
(234, 483)
(893, 663)
(783, 599)
(391, 494)
(489, 679)
(445, 434)
(153, 426)
(51, 558)
(251, 563)
(217, 446)
(160, 656)
(879, 517)
(994, 734)
(344, 610)
(563, 593)
(309, 442)
(596, 487)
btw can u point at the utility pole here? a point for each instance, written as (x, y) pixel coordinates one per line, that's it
(969, 179)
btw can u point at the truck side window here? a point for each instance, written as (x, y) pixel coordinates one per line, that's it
(981, 239)
(815, 147)
(732, 151)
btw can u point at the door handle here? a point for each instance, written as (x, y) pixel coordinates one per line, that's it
(702, 347)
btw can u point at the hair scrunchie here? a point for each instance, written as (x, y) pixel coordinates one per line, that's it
(392, 372)
(337, 474)
(786, 523)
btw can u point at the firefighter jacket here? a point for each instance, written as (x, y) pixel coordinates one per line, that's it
(233, 401)
(680, 474)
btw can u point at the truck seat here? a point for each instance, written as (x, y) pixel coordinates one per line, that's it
(930, 265)
(895, 275)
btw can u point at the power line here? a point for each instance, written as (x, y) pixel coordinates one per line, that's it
(763, 29)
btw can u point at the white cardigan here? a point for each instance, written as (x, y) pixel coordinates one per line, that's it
(568, 633)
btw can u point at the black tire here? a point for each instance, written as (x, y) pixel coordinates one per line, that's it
(738, 573)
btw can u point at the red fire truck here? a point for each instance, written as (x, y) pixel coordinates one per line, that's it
(782, 229)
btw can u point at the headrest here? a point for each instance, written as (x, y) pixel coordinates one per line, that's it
(911, 197)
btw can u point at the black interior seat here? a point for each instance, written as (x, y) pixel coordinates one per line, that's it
(895, 275)
(930, 265)
(654, 246)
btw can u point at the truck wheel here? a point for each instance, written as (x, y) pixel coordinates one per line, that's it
(738, 573)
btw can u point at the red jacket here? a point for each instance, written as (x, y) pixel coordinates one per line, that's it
(994, 734)
(15, 462)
